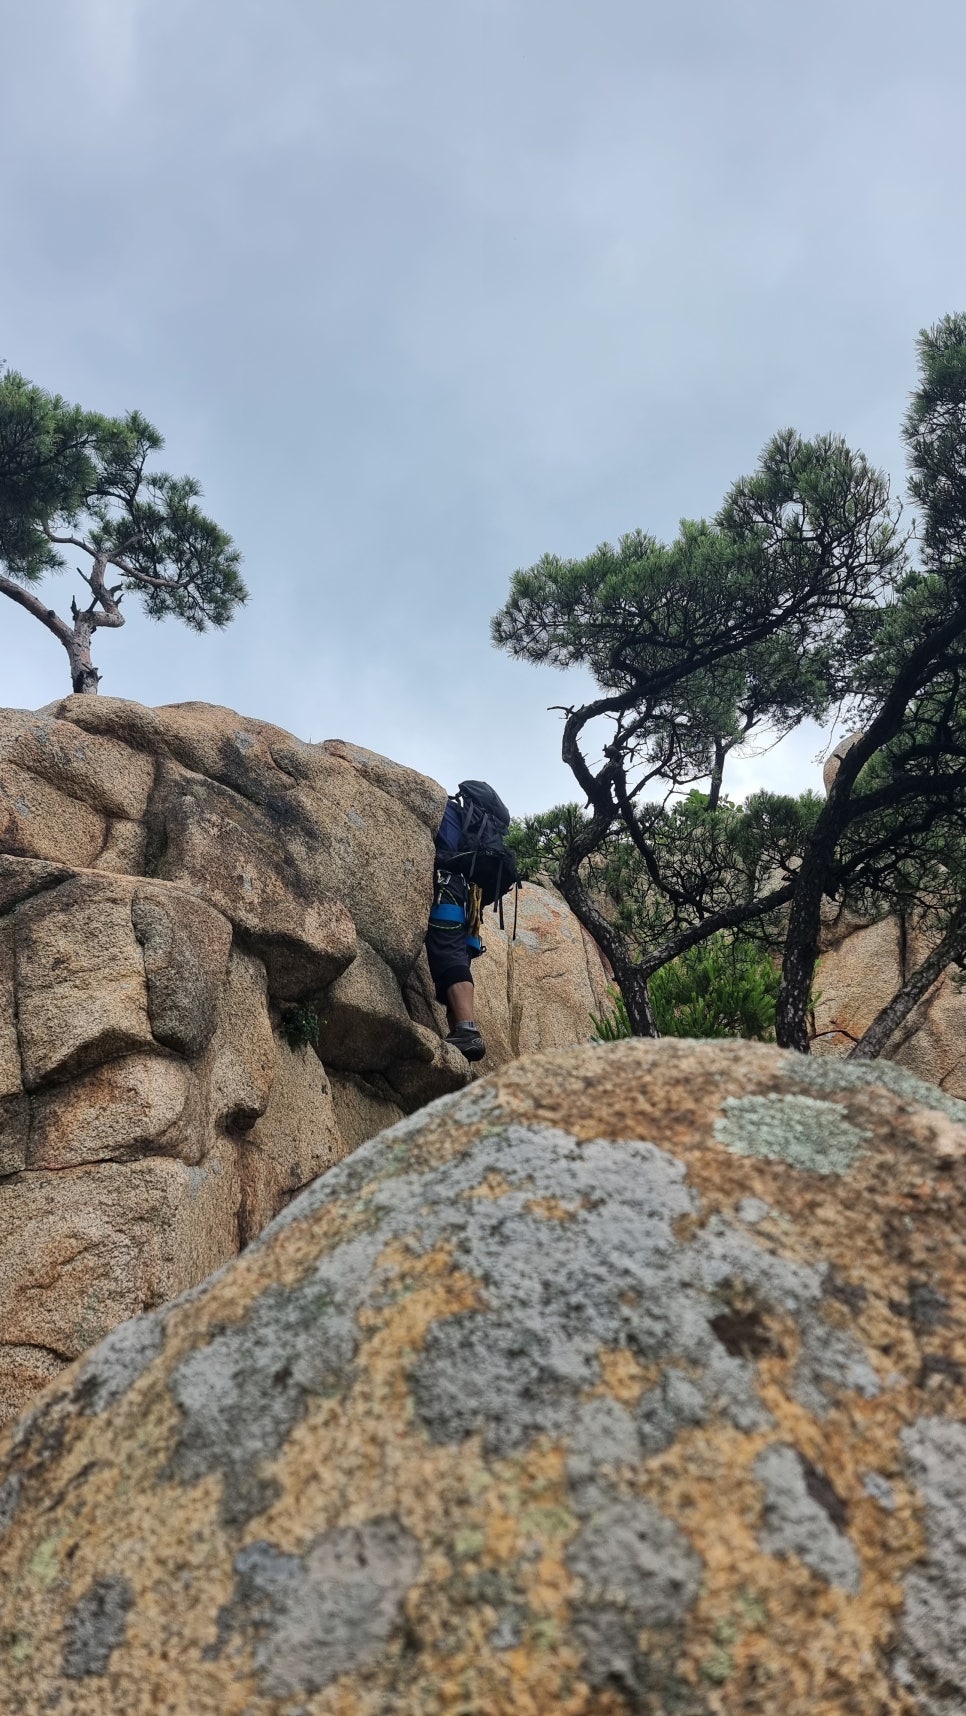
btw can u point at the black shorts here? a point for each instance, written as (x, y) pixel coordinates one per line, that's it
(448, 947)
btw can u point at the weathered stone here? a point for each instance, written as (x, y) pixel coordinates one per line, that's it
(435, 1069)
(362, 1106)
(14, 1133)
(534, 990)
(94, 1627)
(363, 1022)
(497, 1006)
(24, 1371)
(86, 1248)
(421, 795)
(506, 1407)
(862, 967)
(135, 1106)
(38, 821)
(124, 850)
(243, 1056)
(131, 1030)
(932, 1042)
(296, 1139)
(10, 1079)
(853, 981)
(556, 977)
(81, 989)
(97, 771)
(375, 854)
(342, 825)
(22, 877)
(186, 946)
(59, 787)
(304, 938)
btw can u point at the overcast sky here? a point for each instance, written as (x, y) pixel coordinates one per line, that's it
(420, 291)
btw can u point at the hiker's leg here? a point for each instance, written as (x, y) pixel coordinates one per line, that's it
(446, 950)
(459, 1003)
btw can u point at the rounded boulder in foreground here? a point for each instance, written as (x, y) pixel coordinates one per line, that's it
(632, 1379)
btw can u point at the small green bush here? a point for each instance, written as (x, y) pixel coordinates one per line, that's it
(721, 988)
(300, 1027)
(610, 1027)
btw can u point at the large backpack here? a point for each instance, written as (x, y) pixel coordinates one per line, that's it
(482, 855)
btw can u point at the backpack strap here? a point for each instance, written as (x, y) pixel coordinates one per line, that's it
(466, 813)
(498, 902)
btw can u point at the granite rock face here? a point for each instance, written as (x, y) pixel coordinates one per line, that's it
(173, 882)
(862, 966)
(630, 1379)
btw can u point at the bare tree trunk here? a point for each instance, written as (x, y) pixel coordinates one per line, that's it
(798, 969)
(84, 677)
(631, 980)
(804, 921)
(104, 610)
(886, 1022)
(633, 986)
(717, 773)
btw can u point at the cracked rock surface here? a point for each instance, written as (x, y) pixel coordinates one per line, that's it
(593, 1388)
(173, 883)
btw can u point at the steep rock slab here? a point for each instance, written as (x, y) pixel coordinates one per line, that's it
(421, 795)
(86, 1248)
(296, 1139)
(176, 879)
(630, 1380)
(362, 1106)
(102, 772)
(65, 795)
(81, 986)
(13, 1102)
(136, 1106)
(556, 974)
(537, 989)
(216, 843)
(363, 1022)
(313, 826)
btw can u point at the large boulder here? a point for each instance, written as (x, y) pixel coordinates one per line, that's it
(201, 920)
(630, 1380)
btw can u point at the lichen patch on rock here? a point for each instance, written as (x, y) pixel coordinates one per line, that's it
(800, 1130)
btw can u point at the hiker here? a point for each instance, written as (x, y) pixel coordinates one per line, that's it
(474, 868)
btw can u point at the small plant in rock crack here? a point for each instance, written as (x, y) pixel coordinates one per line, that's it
(611, 1027)
(300, 1027)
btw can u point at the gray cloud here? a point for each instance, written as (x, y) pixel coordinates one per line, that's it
(419, 292)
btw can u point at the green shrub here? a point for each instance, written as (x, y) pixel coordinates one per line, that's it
(721, 988)
(300, 1027)
(610, 1027)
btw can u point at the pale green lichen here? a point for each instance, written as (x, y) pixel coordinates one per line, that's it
(799, 1130)
(829, 1074)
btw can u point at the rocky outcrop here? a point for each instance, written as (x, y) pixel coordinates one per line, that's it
(184, 893)
(862, 966)
(629, 1380)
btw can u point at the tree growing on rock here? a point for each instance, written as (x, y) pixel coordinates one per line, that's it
(76, 480)
(801, 597)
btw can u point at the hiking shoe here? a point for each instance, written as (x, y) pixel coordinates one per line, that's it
(467, 1039)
